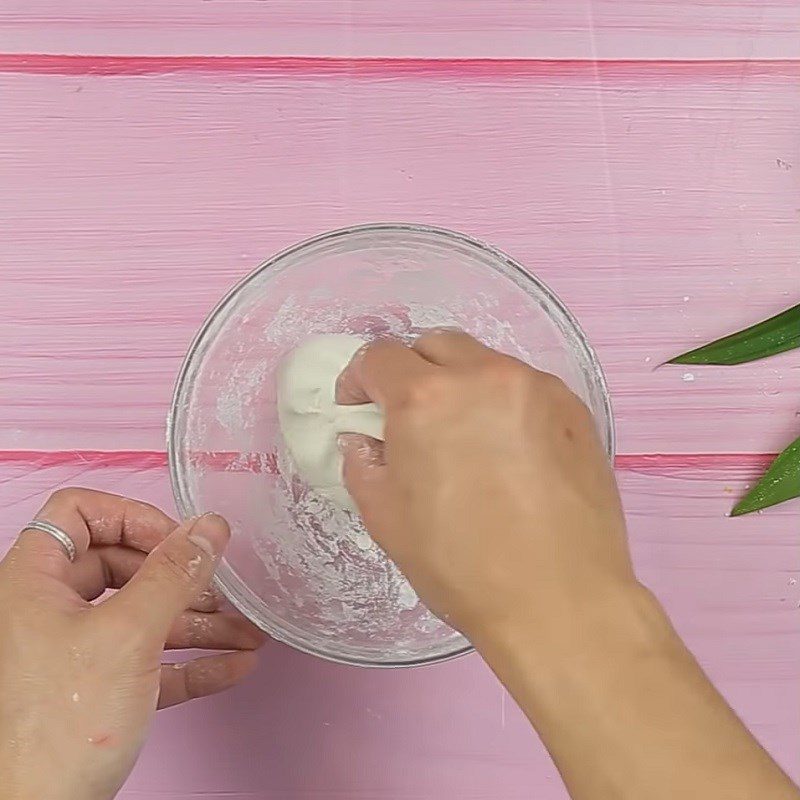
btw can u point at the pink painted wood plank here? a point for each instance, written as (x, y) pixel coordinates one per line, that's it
(649, 29)
(660, 201)
(304, 729)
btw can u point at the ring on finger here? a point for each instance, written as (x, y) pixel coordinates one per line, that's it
(60, 535)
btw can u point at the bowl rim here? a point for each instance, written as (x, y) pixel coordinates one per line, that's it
(179, 390)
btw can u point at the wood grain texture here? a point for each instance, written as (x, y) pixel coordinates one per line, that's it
(578, 29)
(303, 729)
(152, 153)
(660, 202)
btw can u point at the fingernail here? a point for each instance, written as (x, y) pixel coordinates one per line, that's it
(210, 533)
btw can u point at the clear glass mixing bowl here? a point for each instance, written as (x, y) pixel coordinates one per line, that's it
(304, 572)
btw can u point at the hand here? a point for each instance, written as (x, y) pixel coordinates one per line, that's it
(492, 492)
(81, 682)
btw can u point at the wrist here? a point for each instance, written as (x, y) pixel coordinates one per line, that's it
(603, 631)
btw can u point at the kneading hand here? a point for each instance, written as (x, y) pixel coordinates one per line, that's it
(492, 491)
(81, 682)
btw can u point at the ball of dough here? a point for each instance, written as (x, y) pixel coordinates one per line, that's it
(311, 420)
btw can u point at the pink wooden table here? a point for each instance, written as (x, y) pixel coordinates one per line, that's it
(641, 156)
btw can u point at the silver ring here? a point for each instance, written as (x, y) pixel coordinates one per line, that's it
(60, 536)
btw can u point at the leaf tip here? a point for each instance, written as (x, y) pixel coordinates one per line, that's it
(694, 357)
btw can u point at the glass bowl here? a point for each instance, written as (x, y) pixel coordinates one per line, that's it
(305, 572)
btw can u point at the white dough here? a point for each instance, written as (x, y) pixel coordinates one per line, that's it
(310, 418)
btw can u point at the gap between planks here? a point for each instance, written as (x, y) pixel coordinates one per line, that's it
(262, 462)
(66, 64)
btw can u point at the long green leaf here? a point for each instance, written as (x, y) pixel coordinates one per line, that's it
(780, 482)
(775, 335)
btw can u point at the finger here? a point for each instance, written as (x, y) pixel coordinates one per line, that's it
(380, 373)
(203, 676)
(90, 517)
(216, 631)
(364, 472)
(208, 600)
(112, 566)
(172, 575)
(450, 347)
(104, 567)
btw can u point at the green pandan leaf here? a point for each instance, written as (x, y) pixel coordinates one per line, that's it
(775, 335)
(780, 482)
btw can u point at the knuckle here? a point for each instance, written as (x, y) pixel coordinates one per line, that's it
(427, 336)
(425, 393)
(507, 373)
(66, 496)
(569, 407)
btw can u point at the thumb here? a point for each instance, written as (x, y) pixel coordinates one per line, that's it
(364, 474)
(174, 573)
